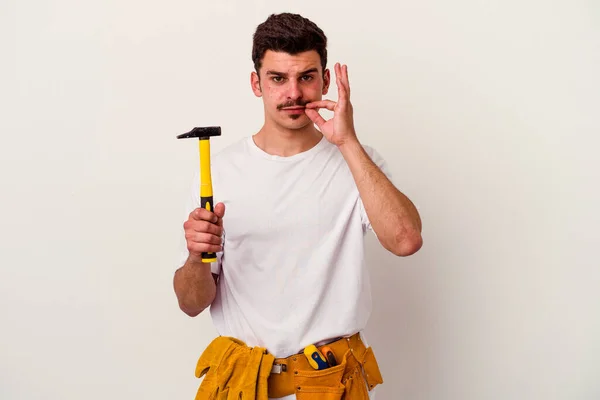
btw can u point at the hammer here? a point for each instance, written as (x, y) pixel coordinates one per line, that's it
(206, 190)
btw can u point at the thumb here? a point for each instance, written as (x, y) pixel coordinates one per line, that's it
(314, 116)
(220, 210)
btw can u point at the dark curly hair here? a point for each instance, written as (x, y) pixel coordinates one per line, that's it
(290, 33)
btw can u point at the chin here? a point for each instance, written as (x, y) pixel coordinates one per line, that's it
(297, 122)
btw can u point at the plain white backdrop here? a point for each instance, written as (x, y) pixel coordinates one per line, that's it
(487, 112)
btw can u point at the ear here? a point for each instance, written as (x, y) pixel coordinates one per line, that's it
(326, 81)
(255, 83)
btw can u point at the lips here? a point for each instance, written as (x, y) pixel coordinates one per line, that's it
(296, 110)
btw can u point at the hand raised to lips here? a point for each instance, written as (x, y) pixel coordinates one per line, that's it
(339, 129)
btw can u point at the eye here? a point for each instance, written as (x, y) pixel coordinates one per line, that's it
(277, 79)
(306, 78)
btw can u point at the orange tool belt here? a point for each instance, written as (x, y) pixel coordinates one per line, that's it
(232, 370)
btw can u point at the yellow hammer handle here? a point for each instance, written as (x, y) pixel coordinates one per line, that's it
(206, 190)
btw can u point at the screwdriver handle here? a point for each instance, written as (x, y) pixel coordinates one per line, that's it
(315, 358)
(329, 356)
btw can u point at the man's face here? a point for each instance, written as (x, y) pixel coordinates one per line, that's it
(288, 82)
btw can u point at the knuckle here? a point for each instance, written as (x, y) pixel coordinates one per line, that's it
(189, 228)
(196, 248)
(202, 238)
(190, 247)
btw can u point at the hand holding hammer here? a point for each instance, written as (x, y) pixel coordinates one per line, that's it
(204, 227)
(203, 232)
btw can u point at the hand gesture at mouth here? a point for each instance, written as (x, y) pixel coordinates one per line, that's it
(339, 129)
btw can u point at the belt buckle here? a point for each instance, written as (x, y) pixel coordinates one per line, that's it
(278, 368)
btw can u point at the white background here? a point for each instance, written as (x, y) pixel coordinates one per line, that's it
(487, 112)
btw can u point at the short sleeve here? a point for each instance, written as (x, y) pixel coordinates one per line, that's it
(382, 164)
(192, 202)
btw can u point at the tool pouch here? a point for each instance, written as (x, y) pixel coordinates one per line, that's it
(232, 370)
(351, 379)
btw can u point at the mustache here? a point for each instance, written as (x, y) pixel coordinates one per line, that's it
(296, 103)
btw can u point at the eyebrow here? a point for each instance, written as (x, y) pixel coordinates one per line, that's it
(285, 75)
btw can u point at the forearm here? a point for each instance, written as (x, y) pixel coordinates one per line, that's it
(194, 286)
(393, 217)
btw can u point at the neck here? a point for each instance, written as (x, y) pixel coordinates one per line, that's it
(284, 142)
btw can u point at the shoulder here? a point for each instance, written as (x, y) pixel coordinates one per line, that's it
(233, 149)
(234, 152)
(371, 151)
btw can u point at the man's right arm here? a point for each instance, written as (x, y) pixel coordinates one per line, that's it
(194, 283)
(195, 286)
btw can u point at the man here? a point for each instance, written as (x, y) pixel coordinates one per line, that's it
(293, 204)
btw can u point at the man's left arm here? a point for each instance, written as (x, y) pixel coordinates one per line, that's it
(392, 215)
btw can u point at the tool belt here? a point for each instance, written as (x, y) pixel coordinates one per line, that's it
(232, 370)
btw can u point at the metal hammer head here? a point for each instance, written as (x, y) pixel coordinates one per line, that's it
(201, 133)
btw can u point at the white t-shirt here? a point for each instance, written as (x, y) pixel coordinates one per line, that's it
(292, 271)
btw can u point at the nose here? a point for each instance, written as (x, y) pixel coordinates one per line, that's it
(294, 92)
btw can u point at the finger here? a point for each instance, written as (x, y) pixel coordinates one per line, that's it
(206, 238)
(201, 214)
(345, 79)
(203, 227)
(315, 117)
(199, 248)
(328, 104)
(339, 81)
(338, 71)
(342, 95)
